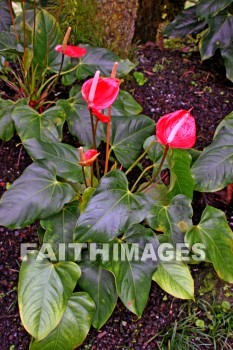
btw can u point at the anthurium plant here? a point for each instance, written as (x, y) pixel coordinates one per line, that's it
(104, 232)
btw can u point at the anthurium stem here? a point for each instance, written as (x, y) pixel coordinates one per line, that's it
(107, 141)
(139, 158)
(158, 170)
(94, 129)
(141, 175)
(84, 176)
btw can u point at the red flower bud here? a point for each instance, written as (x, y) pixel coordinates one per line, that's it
(104, 94)
(88, 157)
(72, 51)
(177, 129)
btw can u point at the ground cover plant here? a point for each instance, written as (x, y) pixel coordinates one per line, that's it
(77, 204)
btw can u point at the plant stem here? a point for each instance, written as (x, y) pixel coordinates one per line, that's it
(12, 19)
(158, 170)
(139, 158)
(141, 175)
(107, 141)
(84, 177)
(94, 129)
(24, 24)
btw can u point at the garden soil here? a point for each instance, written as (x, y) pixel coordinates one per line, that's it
(176, 79)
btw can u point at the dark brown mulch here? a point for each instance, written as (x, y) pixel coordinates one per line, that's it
(179, 81)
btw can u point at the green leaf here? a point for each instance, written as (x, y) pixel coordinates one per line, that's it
(128, 136)
(87, 194)
(174, 220)
(140, 78)
(181, 179)
(214, 168)
(64, 158)
(7, 126)
(59, 229)
(156, 149)
(47, 36)
(9, 44)
(134, 267)
(100, 285)
(44, 289)
(78, 118)
(211, 8)
(5, 18)
(213, 231)
(103, 60)
(111, 209)
(227, 54)
(125, 105)
(227, 121)
(174, 277)
(184, 24)
(219, 35)
(46, 126)
(73, 327)
(36, 194)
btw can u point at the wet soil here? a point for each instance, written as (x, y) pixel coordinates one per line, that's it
(176, 80)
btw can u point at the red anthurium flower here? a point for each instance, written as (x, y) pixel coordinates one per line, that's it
(102, 117)
(72, 51)
(89, 157)
(100, 93)
(176, 130)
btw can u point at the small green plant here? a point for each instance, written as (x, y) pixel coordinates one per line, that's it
(140, 78)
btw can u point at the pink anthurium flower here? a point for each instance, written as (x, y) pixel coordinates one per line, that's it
(87, 158)
(71, 51)
(177, 129)
(100, 93)
(100, 116)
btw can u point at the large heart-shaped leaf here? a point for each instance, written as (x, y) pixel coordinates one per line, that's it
(184, 24)
(9, 44)
(181, 179)
(213, 170)
(174, 220)
(174, 277)
(133, 266)
(213, 231)
(101, 59)
(46, 126)
(110, 210)
(125, 104)
(44, 289)
(64, 158)
(219, 35)
(36, 194)
(7, 126)
(100, 285)
(73, 327)
(128, 136)
(47, 36)
(59, 230)
(211, 7)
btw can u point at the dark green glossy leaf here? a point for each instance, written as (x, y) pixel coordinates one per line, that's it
(227, 54)
(184, 24)
(44, 289)
(59, 229)
(103, 60)
(111, 209)
(64, 158)
(219, 35)
(136, 263)
(5, 18)
(73, 327)
(227, 122)
(125, 104)
(213, 231)
(36, 194)
(155, 151)
(214, 168)
(7, 127)
(211, 7)
(181, 179)
(46, 126)
(100, 285)
(9, 44)
(174, 220)
(128, 136)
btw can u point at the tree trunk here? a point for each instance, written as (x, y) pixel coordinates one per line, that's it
(151, 13)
